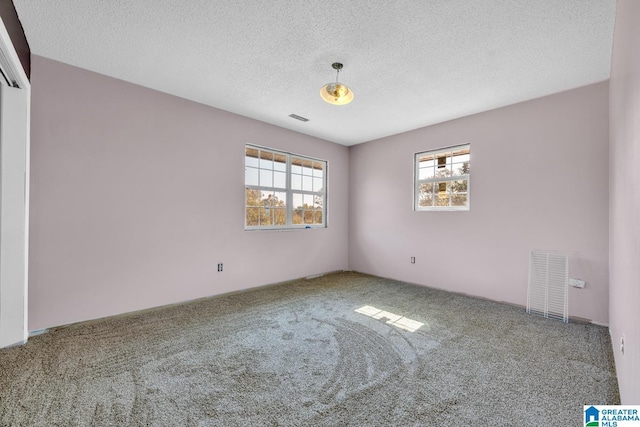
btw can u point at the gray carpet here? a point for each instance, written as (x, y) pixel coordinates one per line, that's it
(297, 354)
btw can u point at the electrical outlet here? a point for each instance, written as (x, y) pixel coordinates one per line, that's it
(413, 260)
(577, 283)
(622, 344)
(219, 266)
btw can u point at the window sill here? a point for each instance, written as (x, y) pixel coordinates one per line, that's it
(317, 227)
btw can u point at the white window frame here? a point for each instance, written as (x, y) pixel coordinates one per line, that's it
(417, 181)
(289, 192)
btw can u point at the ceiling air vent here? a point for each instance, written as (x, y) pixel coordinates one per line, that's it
(297, 117)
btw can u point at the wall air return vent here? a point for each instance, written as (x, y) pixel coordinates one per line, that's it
(548, 285)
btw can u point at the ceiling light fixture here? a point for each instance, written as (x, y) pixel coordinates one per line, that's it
(336, 93)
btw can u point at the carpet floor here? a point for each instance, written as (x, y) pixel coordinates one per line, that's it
(344, 349)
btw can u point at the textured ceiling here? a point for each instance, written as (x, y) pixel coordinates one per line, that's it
(410, 63)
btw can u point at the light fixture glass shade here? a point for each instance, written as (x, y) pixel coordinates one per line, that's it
(336, 93)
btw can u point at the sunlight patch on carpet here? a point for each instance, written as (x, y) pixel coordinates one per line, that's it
(394, 319)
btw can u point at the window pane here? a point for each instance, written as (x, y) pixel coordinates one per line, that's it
(461, 157)
(317, 217)
(426, 164)
(318, 170)
(297, 200)
(266, 178)
(459, 186)
(426, 200)
(426, 188)
(318, 202)
(296, 165)
(460, 169)
(425, 194)
(251, 157)
(280, 180)
(425, 173)
(296, 182)
(307, 167)
(265, 216)
(461, 151)
(317, 184)
(297, 216)
(265, 196)
(280, 216)
(280, 198)
(442, 160)
(252, 216)
(442, 199)
(268, 204)
(426, 160)
(266, 160)
(307, 183)
(280, 162)
(444, 171)
(250, 176)
(252, 197)
(308, 201)
(308, 217)
(459, 200)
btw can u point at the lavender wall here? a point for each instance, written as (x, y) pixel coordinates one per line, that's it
(539, 180)
(137, 195)
(624, 237)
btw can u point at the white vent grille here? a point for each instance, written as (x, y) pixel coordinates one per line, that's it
(548, 285)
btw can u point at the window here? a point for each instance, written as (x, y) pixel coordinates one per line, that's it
(442, 179)
(283, 190)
